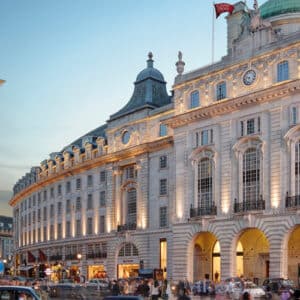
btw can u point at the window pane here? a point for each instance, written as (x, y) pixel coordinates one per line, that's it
(194, 99)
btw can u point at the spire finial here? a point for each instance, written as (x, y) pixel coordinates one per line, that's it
(180, 64)
(150, 60)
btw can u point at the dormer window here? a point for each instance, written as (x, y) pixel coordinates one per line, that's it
(250, 126)
(194, 99)
(221, 90)
(283, 71)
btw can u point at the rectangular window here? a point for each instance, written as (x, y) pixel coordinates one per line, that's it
(90, 180)
(68, 229)
(39, 234)
(33, 217)
(68, 187)
(163, 187)
(163, 216)
(33, 201)
(250, 126)
(102, 224)
(195, 99)
(102, 199)
(163, 161)
(52, 192)
(163, 131)
(90, 226)
(78, 227)
(39, 215)
(59, 208)
(294, 116)
(78, 204)
(68, 206)
(51, 210)
(59, 231)
(78, 184)
(45, 233)
(103, 176)
(59, 190)
(130, 172)
(221, 91)
(45, 214)
(90, 201)
(283, 71)
(51, 232)
(45, 195)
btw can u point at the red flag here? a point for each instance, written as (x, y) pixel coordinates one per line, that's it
(42, 256)
(30, 257)
(223, 7)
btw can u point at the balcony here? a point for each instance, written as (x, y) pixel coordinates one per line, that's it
(250, 205)
(125, 227)
(292, 201)
(210, 210)
(96, 255)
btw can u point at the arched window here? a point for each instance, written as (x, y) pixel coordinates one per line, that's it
(297, 169)
(221, 90)
(251, 175)
(205, 186)
(195, 99)
(131, 206)
(283, 71)
(128, 249)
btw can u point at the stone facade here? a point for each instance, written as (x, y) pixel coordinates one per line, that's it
(220, 188)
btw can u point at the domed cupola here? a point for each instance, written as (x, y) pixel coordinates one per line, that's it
(274, 8)
(149, 92)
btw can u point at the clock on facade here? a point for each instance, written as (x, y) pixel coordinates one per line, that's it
(249, 77)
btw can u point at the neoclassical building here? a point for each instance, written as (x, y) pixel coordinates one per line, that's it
(201, 183)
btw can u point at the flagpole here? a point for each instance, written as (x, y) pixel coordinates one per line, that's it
(213, 35)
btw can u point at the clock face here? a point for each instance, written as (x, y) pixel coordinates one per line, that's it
(249, 77)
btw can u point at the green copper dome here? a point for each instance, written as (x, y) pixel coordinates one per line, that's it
(279, 7)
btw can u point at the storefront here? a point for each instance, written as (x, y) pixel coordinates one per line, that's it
(128, 270)
(96, 270)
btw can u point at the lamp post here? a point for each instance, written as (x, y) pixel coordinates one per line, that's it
(79, 256)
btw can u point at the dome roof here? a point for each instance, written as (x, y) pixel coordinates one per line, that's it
(279, 7)
(150, 72)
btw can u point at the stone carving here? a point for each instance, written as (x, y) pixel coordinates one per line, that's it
(180, 64)
(257, 23)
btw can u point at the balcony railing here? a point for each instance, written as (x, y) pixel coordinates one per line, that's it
(125, 227)
(249, 205)
(210, 210)
(292, 201)
(96, 255)
(56, 257)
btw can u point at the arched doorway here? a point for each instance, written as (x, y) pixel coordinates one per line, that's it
(206, 257)
(294, 256)
(252, 255)
(128, 261)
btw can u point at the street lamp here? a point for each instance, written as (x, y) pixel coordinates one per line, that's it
(79, 256)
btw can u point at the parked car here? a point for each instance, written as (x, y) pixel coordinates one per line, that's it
(98, 284)
(254, 290)
(18, 292)
(276, 285)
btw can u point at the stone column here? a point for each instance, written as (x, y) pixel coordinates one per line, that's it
(228, 255)
(118, 205)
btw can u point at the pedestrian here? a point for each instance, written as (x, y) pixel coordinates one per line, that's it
(115, 289)
(183, 295)
(155, 290)
(285, 294)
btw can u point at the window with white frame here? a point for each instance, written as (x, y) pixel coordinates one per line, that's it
(251, 175)
(51, 210)
(163, 220)
(130, 172)
(194, 99)
(59, 208)
(59, 190)
(68, 206)
(131, 206)
(163, 187)
(221, 92)
(163, 161)
(204, 137)
(68, 229)
(250, 126)
(78, 183)
(283, 71)
(163, 131)
(205, 183)
(103, 176)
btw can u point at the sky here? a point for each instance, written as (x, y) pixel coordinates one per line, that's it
(70, 64)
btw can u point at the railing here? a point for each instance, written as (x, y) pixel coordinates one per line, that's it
(210, 210)
(96, 255)
(292, 201)
(55, 257)
(125, 227)
(249, 205)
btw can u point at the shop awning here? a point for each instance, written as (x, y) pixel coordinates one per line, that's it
(146, 273)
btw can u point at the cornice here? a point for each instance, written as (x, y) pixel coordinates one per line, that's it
(93, 163)
(230, 105)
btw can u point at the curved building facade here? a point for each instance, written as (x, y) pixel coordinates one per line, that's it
(203, 183)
